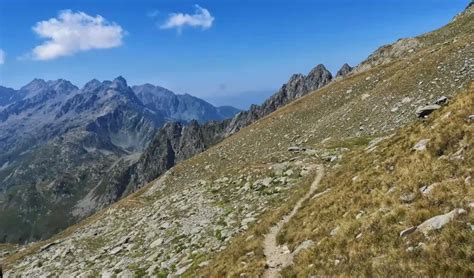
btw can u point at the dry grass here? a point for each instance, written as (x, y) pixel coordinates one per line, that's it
(383, 176)
(392, 170)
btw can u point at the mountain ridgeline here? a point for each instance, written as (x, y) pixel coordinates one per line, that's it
(68, 152)
(176, 142)
(58, 142)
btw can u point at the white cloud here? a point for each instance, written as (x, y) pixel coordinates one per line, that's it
(2, 57)
(71, 32)
(201, 18)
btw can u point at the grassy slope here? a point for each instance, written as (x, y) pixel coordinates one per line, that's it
(383, 176)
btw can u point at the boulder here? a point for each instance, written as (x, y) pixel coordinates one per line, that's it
(437, 222)
(424, 111)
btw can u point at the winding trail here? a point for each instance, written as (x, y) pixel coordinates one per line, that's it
(279, 256)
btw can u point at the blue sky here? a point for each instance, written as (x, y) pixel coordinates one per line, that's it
(239, 53)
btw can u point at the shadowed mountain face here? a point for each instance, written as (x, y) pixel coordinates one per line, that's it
(57, 142)
(181, 107)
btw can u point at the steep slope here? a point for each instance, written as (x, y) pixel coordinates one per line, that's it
(401, 205)
(227, 197)
(8, 96)
(58, 144)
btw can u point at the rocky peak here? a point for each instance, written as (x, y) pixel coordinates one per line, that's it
(344, 70)
(91, 85)
(35, 85)
(317, 77)
(119, 83)
(61, 86)
(151, 89)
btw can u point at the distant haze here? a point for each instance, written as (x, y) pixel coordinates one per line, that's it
(241, 100)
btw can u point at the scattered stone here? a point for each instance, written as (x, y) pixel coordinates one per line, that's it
(203, 264)
(426, 190)
(156, 243)
(421, 145)
(125, 274)
(334, 231)
(116, 250)
(267, 181)
(442, 100)
(289, 173)
(437, 222)
(406, 100)
(407, 197)
(295, 149)
(182, 270)
(303, 246)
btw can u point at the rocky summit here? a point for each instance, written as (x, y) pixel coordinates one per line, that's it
(328, 177)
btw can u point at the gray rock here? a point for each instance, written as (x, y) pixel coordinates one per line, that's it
(295, 149)
(426, 190)
(441, 101)
(156, 243)
(426, 110)
(407, 197)
(303, 246)
(421, 145)
(437, 222)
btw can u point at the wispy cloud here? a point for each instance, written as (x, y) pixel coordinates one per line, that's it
(201, 18)
(153, 13)
(72, 32)
(2, 57)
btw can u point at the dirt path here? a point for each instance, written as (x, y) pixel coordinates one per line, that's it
(279, 257)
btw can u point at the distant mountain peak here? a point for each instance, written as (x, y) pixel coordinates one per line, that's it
(61, 85)
(119, 82)
(35, 84)
(344, 70)
(91, 85)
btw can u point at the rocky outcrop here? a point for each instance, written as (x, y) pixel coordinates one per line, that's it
(343, 71)
(298, 86)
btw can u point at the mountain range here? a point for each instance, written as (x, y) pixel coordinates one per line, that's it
(368, 173)
(58, 141)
